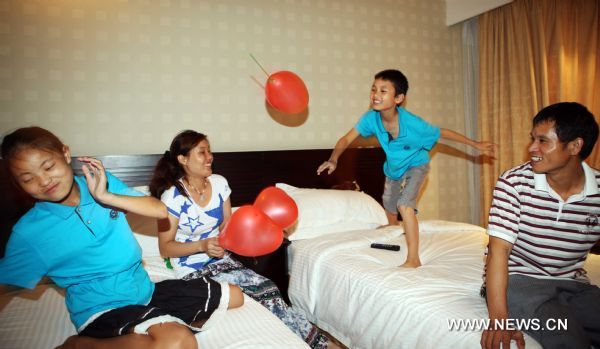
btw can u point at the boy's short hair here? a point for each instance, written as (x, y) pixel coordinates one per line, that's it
(571, 120)
(397, 79)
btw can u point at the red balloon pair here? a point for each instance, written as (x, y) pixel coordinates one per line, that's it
(256, 230)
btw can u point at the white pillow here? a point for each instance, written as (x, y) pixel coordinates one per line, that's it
(145, 229)
(144, 189)
(326, 211)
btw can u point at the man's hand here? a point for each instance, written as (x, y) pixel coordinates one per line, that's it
(492, 339)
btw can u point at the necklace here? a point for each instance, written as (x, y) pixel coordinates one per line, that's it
(199, 192)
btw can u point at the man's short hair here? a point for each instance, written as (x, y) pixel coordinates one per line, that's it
(571, 120)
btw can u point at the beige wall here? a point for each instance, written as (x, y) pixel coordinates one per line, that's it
(114, 77)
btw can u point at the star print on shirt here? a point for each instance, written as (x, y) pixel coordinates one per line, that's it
(184, 207)
(192, 223)
(217, 212)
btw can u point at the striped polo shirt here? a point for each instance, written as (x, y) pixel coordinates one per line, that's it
(551, 237)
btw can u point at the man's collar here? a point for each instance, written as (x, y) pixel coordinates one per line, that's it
(590, 187)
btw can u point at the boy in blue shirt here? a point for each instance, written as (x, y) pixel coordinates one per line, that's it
(406, 140)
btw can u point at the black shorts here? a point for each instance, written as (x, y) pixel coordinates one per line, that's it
(187, 301)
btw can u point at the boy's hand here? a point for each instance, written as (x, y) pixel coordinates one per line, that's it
(327, 165)
(95, 176)
(487, 148)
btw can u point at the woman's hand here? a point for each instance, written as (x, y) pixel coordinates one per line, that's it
(95, 176)
(213, 248)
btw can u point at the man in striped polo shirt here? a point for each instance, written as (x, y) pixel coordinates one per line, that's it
(544, 219)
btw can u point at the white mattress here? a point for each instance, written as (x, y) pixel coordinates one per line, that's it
(360, 296)
(38, 319)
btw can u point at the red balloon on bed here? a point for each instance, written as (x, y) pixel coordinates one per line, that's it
(250, 232)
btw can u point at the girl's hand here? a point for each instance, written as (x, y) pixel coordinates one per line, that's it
(213, 248)
(95, 176)
(487, 148)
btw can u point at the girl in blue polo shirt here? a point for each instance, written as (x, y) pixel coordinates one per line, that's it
(77, 235)
(406, 140)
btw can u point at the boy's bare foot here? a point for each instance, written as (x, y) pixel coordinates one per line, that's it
(411, 264)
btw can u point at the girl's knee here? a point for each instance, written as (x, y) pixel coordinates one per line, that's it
(236, 297)
(172, 335)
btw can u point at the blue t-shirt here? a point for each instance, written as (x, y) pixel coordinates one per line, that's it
(87, 249)
(411, 148)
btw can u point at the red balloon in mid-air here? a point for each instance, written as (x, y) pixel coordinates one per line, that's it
(286, 92)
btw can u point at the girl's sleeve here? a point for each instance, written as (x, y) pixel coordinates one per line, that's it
(116, 186)
(21, 265)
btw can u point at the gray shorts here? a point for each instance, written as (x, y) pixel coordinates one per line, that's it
(404, 191)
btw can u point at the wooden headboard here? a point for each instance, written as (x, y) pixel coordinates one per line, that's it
(247, 173)
(250, 172)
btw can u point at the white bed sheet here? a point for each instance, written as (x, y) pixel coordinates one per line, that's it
(360, 296)
(38, 319)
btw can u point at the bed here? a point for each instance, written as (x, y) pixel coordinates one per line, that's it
(359, 294)
(355, 293)
(32, 319)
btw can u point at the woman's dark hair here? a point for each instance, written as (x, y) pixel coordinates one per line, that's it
(168, 170)
(571, 120)
(29, 138)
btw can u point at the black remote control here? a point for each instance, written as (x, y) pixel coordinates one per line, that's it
(386, 246)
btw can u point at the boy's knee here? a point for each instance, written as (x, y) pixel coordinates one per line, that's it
(236, 297)
(406, 210)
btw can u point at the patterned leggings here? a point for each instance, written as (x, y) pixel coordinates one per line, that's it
(266, 293)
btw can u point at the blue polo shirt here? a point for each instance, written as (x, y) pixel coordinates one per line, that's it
(88, 249)
(411, 148)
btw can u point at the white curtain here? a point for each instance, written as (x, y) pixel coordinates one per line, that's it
(471, 77)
